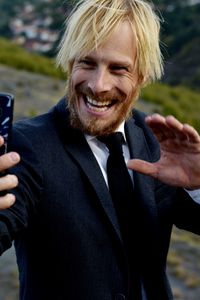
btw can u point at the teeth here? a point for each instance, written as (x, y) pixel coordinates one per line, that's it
(98, 103)
(95, 108)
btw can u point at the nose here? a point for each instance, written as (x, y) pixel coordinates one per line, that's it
(100, 81)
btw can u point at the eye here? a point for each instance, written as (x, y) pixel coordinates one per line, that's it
(118, 68)
(86, 63)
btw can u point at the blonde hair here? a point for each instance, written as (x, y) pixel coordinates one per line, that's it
(91, 23)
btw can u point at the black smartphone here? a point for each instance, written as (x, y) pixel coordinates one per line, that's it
(6, 118)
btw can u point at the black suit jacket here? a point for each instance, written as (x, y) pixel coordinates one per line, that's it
(66, 233)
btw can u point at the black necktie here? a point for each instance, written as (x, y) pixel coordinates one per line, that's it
(119, 180)
(121, 190)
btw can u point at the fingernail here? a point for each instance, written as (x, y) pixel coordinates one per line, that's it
(14, 156)
(11, 199)
(14, 180)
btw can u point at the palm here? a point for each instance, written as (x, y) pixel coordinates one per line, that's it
(179, 163)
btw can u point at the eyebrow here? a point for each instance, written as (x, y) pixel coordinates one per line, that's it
(124, 63)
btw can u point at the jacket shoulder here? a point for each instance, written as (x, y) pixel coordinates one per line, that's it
(30, 125)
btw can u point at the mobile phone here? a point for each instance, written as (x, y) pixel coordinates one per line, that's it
(6, 118)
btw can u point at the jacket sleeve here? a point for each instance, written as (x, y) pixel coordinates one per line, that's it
(15, 220)
(186, 212)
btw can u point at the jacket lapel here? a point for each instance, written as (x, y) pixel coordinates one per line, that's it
(76, 145)
(143, 184)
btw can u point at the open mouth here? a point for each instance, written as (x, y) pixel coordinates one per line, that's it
(99, 106)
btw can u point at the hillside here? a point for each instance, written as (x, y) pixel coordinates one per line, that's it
(19, 58)
(34, 93)
(180, 34)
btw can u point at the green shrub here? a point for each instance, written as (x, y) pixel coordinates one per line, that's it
(19, 58)
(179, 101)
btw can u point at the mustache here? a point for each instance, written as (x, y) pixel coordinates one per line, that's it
(103, 96)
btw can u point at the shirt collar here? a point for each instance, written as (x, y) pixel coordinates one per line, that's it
(121, 129)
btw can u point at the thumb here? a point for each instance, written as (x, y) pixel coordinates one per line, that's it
(144, 167)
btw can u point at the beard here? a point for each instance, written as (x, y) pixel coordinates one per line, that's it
(93, 125)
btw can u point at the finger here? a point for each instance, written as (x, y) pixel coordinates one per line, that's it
(8, 182)
(192, 134)
(1, 141)
(169, 127)
(185, 131)
(155, 120)
(177, 127)
(144, 167)
(158, 125)
(6, 201)
(8, 160)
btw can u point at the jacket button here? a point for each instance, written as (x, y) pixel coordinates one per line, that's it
(120, 297)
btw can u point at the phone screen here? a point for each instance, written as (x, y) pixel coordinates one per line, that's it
(6, 117)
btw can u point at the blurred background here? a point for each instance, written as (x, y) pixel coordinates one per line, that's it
(29, 34)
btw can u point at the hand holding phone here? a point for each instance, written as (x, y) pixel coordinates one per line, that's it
(10, 159)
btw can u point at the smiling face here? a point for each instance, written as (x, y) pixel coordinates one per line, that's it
(104, 84)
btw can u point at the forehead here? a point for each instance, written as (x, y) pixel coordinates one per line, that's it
(120, 45)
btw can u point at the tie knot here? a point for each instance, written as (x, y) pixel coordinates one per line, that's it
(113, 141)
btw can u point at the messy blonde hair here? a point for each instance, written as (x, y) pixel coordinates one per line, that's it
(92, 22)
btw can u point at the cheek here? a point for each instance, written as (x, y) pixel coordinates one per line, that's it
(77, 77)
(127, 85)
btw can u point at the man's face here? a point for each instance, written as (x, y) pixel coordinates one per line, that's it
(104, 83)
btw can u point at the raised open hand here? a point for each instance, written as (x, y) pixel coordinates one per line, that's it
(179, 163)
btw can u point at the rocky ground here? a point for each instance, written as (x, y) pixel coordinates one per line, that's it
(35, 94)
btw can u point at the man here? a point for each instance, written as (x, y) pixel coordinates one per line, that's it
(68, 237)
